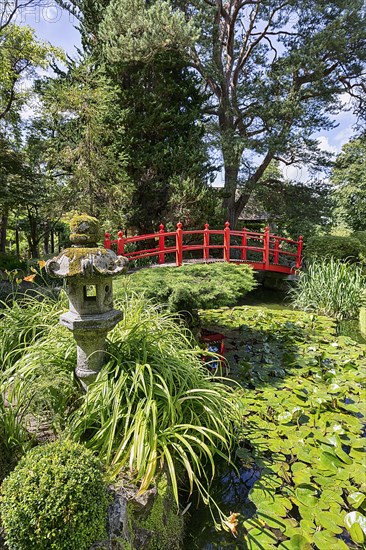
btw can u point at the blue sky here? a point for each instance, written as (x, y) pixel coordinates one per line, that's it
(58, 27)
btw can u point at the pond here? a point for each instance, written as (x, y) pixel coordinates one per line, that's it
(277, 300)
(265, 340)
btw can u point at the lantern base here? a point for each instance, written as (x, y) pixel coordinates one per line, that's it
(90, 332)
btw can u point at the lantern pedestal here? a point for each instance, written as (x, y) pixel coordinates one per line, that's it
(90, 333)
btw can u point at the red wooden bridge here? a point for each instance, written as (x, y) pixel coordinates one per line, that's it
(262, 251)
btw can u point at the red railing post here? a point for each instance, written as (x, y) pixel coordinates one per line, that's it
(107, 240)
(120, 243)
(266, 248)
(206, 242)
(227, 242)
(179, 245)
(276, 251)
(299, 252)
(161, 244)
(244, 245)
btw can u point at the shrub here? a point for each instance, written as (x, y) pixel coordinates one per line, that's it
(330, 287)
(339, 248)
(55, 498)
(193, 286)
(153, 403)
(10, 262)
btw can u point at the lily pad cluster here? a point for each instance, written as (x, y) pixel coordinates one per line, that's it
(303, 407)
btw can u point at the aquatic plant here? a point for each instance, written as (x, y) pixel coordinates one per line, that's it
(330, 287)
(303, 413)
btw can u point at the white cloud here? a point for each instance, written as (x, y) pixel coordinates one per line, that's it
(324, 145)
(295, 173)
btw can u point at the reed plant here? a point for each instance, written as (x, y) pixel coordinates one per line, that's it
(330, 287)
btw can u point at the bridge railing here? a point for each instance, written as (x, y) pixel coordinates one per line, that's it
(263, 251)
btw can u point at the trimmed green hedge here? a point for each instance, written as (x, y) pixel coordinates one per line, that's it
(339, 248)
(191, 287)
(55, 498)
(360, 236)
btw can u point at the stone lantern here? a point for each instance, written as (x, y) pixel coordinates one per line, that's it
(88, 270)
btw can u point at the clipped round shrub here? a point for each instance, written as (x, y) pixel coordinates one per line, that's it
(55, 499)
(332, 246)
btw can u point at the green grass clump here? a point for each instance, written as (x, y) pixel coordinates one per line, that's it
(153, 404)
(56, 498)
(330, 287)
(191, 287)
(24, 321)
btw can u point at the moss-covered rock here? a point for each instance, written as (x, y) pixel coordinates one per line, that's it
(150, 521)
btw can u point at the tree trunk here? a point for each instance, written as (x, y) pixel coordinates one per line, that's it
(17, 242)
(33, 239)
(4, 228)
(46, 238)
(52, 241)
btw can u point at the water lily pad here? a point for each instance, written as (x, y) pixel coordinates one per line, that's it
(306, 495)
(306, 512)
(329, 461)
(297, 542)
(271, 520)
(301, 477)
(356, 499)
(329, 521)
(263, 537)
(307, 526)
(324, 540)
(355, 523)
(343, 456)
(273, 509)
(284, 417)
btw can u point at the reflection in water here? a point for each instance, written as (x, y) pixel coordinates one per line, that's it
(230, 490)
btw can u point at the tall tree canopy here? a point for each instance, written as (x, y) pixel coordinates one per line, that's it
(20, 55)
(349, 178)
(158, 106)
(275, 70)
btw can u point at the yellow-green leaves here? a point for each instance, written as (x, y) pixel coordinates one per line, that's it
(20, 55)
(134, 30)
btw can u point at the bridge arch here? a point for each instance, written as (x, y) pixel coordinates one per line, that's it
(262, 250)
